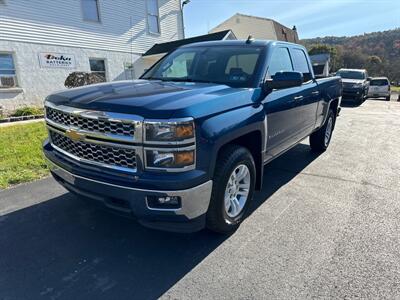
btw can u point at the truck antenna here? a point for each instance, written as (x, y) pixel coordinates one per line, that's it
(249, 39)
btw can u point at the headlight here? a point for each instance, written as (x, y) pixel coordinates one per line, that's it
(169, 131)
(175, 159)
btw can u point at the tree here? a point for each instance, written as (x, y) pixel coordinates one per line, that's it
(374, 65)
(354, 52)
(353, 59)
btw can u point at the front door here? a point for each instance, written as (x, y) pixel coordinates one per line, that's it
(280, 107)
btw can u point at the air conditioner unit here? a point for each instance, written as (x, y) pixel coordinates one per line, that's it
(7, 81)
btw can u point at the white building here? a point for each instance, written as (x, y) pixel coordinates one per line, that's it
(259, 28)
(42, 41)
(321, 64)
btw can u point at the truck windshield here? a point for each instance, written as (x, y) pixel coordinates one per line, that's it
(234, 66)
(351, 74)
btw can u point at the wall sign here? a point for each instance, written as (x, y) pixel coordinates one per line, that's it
(56, 60)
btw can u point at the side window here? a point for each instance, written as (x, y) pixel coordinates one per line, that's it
(179, 67)
(280, 61)
(300, 64)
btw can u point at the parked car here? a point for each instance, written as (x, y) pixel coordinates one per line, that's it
(355, 84)
(379, 87)
(184, 147)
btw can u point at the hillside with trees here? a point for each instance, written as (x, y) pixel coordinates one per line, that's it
(378, 52)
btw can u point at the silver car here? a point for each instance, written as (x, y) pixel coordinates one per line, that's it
(379, 87)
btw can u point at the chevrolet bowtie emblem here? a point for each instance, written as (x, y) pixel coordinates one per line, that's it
(74, 135)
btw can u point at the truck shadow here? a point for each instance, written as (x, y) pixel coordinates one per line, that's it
(281, 170)
(349, 103)
(68, 249)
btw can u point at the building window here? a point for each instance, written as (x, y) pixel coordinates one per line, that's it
(90, 10)
(8, 77)
(98, 66)
(153, 17)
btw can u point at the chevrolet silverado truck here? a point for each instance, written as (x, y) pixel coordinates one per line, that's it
(184, 147)
(355, 84)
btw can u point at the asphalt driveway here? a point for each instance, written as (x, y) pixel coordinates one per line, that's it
(324, 226)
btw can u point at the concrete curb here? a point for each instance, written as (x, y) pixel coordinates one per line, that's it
(21, 118)
(14, 123)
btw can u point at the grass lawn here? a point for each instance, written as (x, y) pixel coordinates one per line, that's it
(21, 157)
(395, 88)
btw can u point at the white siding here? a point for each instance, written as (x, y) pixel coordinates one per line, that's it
(36, 83)
(122, 27)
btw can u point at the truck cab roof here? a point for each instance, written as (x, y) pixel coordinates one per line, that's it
(259, 43)
(354, 70)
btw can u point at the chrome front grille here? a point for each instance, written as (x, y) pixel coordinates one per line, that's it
(92, 124)
(347, 85)
(106, 139)
(95, 153)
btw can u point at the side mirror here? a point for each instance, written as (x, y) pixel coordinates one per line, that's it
(283, 80)
(369, 78)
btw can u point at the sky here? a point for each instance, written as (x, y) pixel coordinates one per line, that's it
(313, 18)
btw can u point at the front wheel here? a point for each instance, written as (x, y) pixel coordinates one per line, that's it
(233, 188)
(319, 140)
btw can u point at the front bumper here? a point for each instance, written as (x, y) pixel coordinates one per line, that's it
(352, 93)
(132, 202)
(378, 94)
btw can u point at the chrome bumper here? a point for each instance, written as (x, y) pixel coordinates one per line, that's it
(194, 201)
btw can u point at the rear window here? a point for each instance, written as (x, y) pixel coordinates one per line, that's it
(379, 82)
(300, 64)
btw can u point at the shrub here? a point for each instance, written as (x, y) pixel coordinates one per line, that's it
(27, 111)
(77, 79)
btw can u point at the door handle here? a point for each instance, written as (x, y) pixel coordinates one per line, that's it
(298, 98)
(315, 93)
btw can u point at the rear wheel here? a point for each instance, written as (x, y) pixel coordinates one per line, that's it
(388, 98)
(233, 188)
(319, 140)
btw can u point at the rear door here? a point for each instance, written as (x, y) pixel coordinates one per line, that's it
(280, 106)
(308, 96)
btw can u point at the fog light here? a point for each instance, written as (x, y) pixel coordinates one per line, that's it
(163, 202)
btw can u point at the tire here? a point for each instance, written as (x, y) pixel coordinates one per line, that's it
(388, 98)
(319, 140)
(219, 217)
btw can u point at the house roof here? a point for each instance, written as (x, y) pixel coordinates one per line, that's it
(282, 32)
(170, 46)
(321, 58)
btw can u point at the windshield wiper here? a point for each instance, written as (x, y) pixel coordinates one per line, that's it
(183, 79)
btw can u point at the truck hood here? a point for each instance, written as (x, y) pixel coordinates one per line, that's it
(353, 81)
(157, 99)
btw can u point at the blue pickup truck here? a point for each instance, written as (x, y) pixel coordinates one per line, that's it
(184, 147)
